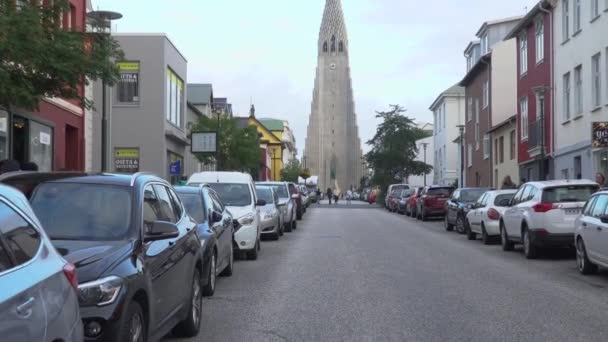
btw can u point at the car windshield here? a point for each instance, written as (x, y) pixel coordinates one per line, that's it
(264, 193)
(471, 195)
(233, 195)
(71, 211)
(280, 189)
(569, 193)
(194, 206)
(503, 200)
(439, 191)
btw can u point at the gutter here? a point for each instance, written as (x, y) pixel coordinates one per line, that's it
(551, 80)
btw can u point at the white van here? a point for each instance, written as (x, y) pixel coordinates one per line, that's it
(237, 192)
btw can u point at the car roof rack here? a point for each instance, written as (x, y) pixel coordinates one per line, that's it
(140, 174)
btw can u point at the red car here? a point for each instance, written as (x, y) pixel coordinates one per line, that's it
(393, 200)
(410, 207)
(432, 201)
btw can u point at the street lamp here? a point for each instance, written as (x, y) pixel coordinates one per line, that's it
(103, 21)
(424, 145)
(461, 132)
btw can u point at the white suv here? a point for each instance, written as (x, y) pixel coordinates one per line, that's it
(591, 234)
(542, 214)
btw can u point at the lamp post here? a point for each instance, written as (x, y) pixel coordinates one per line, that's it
(102, 20)
(461, 132)
(424, 145)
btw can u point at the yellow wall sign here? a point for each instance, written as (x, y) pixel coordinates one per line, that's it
(128, 66)
(127, 152)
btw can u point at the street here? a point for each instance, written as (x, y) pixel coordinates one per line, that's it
(364, 274)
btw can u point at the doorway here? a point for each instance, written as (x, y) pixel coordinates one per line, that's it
(71, 148)
(20, 132)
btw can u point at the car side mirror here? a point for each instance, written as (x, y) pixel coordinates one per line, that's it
(260, 203)
(604, 219)
(161, 230)
(216, 216)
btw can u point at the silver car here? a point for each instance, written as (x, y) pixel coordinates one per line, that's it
(38, 299)
(287, 204)
(271, 219)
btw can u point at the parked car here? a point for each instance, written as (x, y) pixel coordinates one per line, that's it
(390, 189)
(215, 230)
(402, 200)
(543, 214)
(410, 205)
(295, 194)
(393, 200)
(271, 218)
(432, 200)
(590, 234)
(237, 191)
(287, 204)
(38, 287)
(131, 241)
(459, 205)
(485, 215)
(303, 191)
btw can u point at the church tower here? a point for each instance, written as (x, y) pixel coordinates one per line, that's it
(333, 148)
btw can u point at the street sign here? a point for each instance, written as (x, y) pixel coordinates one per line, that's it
(599, 131)
(204, 142)
(175, 168)
(126, 160)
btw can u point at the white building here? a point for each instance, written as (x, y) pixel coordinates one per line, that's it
(580, 41)
(290, 151)
(448, 113)
(423, 153)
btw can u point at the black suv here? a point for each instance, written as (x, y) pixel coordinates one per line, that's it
(136, 251)
(459, 205)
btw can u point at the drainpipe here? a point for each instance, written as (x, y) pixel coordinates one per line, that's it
(551, 83)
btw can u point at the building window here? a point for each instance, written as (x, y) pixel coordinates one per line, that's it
(438, 127)
(469, 62)
(595, 9)
(470, 109)
(333, 43)
(565, 20)
(341, 47)
(485, 48)
(523, 54)
(540, 40)
(127, 87)
(577, 15)
(443, 112)
(325, 47)
(578, 90)
(469, 155)
(566, 96)
(512, 142)
(496, 151)
(596, 78)
(477, 131)
(501, 149)
(487, 148)
(175, 101)
(486, 94)
(523, 107)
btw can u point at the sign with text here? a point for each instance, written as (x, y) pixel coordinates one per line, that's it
(599, 131)
(175, 168)
(126, 160)
(204, 142)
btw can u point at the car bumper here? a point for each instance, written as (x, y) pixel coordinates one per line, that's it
(246, 237)
(492, 227)
(111, 318)
(434, 211)
(269, 226)
(543, 238)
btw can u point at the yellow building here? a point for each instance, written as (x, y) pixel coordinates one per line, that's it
(270, 140)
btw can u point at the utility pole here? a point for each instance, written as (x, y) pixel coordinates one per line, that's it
(462, 151)
(424, 145)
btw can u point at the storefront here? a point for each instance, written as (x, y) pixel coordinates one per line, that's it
(599, 145)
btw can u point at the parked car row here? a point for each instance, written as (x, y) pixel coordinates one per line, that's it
(111, 257)
(538, 215)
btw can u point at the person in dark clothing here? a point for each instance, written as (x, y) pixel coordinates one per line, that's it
(10, 165)
(29, 166)
(507, 183)
(330, 194)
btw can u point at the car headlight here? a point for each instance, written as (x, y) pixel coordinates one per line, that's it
(270, 214)
(99, 292)
(247, 219)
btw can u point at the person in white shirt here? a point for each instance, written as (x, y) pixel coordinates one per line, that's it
(349, 196)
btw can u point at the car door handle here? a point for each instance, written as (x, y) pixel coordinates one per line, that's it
(25, 309)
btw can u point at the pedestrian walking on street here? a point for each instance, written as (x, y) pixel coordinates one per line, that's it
(349, 197)
(330, 195)
(600, 179)
(507, 183)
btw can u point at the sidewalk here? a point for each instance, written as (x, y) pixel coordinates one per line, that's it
(342, 202)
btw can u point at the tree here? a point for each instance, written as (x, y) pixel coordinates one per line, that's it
(39, 58)
(291, 171)
(238, 147)
(394, 151)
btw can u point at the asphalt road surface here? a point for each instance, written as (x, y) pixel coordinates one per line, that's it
(361, 274)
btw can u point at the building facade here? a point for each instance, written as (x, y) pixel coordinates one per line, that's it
(580, 83)
(448, 113)
(147, 119)
(52, 136)
(425, 149)
(504, 154)
(200, 103)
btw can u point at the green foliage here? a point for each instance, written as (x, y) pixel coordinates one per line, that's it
(291, 171)
(394, 151)
(39, 59)
(305, 173)
(239, 148)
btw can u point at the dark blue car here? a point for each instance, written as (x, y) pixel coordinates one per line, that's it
(215, 229)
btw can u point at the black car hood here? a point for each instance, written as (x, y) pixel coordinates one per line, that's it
(92, 258)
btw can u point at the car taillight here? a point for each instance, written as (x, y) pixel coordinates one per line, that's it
(70, 272)
(543, 207)
(493, 214)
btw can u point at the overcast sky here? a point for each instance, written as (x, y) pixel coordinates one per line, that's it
(401, 51)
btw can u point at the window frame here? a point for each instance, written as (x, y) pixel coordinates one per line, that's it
(133, 103)
(469, 155)
(578, 90)
(577, 16)
(512, 144)
(565, 20)
(486, 94)
(523, 103)
(501, 149)
(15, 265)
(567, 92)
(539, 38)
(487, 146)
(174, 98)
(469, 109)
(477, 126)
(523, 54)
(596, 80)
(595, 9)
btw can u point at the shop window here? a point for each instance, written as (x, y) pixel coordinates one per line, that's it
(128, 84)
(32, 142)
(174, 98)
(3, 135)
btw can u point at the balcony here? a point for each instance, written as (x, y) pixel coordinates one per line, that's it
(535, 135)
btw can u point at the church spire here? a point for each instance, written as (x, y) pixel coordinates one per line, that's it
(332, 36)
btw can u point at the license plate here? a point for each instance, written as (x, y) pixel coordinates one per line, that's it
(572, 211)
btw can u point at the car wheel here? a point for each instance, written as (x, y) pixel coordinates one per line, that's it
(504, 240)
(277, 235)
(209, 289)
(585, 266)
(446, 222)
(227, 272)
(470, 234)
(485, 238)
(460, 225)
(134, 329)
(530, 250)
(191, 325)
(294, 225)
(288, 227)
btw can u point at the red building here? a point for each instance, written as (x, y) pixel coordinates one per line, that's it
(53, 136)
(534, 92)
